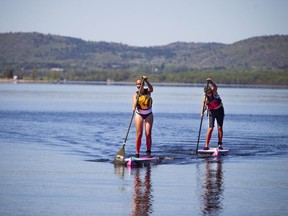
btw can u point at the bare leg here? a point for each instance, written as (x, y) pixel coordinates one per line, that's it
(148, 130)
(208, 136)
(220, 134)
(139, 131)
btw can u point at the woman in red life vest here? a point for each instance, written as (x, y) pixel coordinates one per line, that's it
(215, 110)
(144, 115)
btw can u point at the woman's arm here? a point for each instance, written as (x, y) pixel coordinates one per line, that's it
(214, 86)
(204, 106)
(150, 87)
(134, 101)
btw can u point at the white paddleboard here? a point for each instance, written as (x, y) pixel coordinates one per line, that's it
(141, 161)
(213, 151)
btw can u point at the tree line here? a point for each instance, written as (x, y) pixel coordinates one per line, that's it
(237, 76)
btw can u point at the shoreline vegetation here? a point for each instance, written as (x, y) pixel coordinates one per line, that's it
(41, 58)
(128, 83)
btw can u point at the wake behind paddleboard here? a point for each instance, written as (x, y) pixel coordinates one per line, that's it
(213, 151)
(142, 161)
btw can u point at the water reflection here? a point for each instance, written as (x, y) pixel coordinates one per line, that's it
(212, 189)
(142, 197)
(119, 170)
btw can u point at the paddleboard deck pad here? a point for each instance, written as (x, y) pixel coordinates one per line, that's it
(213, 151)
(142, 161)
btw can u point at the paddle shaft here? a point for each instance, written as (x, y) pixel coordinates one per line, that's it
(202, 115)
(199, 133)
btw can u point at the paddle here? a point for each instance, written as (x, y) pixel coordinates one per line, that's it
(120, 156)
(202, 115)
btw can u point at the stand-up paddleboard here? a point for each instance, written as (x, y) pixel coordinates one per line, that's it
(142, 161)
(213, 151)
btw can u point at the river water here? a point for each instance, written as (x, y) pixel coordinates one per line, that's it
(58, 143)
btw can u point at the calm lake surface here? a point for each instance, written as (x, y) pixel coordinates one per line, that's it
(58, 143)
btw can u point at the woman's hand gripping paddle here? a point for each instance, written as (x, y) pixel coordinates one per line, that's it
(202, 115)
(120, 156)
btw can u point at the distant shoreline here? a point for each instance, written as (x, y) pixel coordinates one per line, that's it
(127, 83)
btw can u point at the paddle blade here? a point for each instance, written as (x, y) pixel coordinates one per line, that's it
(120, 156)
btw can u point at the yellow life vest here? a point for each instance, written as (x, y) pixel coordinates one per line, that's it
(145, 102)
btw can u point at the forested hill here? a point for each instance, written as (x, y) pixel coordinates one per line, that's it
(35, 51)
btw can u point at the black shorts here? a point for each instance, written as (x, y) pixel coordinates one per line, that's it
(144, 116)
(217, 114)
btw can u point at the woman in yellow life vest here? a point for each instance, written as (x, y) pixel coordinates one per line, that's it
(144, 116)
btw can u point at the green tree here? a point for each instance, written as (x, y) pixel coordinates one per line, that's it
(34, 74)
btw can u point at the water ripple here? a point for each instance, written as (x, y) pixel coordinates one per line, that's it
(98, 136)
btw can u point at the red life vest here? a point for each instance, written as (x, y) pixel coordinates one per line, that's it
(214, 101)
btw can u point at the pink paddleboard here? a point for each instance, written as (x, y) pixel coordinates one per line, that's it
(141, 161)
(213, 152)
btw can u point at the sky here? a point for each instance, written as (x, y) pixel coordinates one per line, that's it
(147, 22)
